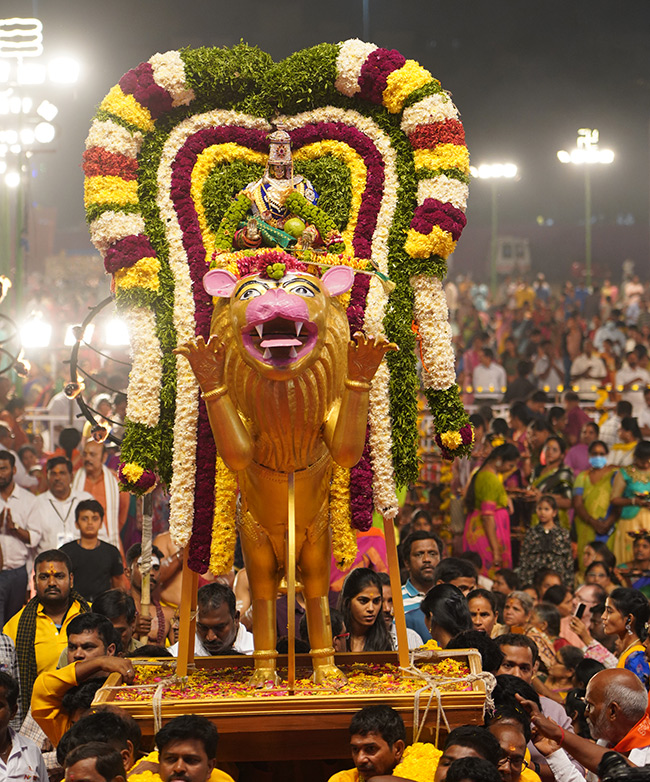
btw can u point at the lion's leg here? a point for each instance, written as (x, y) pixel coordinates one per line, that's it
(262, 568)
(314, 567)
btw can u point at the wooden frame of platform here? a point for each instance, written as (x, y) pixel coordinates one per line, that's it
(299, 727)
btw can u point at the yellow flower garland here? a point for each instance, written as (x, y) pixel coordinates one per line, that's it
(438, 242)
(444, 156)
(222, 547)
(109, 190)
(205, 162)
(127, 108)
(344, 537)
(143, 274)
(402, 82)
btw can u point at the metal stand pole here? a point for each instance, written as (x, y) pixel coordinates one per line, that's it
(291, 581)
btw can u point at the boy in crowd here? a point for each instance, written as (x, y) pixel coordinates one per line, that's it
(97, 565)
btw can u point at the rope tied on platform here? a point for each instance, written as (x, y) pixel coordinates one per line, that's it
(433, 687)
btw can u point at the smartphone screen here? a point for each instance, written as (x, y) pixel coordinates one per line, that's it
(580, 610)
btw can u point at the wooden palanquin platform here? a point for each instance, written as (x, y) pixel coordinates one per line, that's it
(302, 727)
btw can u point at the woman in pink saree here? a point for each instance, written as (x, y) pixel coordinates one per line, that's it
(487, 528)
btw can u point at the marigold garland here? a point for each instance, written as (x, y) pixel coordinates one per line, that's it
(224, 535)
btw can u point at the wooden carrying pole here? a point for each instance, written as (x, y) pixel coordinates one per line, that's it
(396, 588)
(187, 617)
(291, 582)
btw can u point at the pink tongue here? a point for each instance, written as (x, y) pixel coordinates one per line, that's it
(280, 343)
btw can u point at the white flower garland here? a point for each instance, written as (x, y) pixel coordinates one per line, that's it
(114, 138)
(110, 227)
(143, 405)
(432, 317)
(185, 421)
(433, 108)
(169, 73)
(445, 189)
(352, 55)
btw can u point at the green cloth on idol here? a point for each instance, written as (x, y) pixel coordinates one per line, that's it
(272, 237)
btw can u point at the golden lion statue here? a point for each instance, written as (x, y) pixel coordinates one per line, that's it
(286, 392)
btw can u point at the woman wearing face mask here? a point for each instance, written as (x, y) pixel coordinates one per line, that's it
(553, 478)
(592, 493)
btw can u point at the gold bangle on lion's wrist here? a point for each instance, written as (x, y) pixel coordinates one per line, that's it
(361, 385)
(215, 393)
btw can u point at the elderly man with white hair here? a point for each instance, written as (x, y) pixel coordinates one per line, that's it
(617, 715)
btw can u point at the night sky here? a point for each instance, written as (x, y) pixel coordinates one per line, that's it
(525, 76)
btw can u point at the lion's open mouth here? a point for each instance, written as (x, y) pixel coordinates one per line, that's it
(279, 340)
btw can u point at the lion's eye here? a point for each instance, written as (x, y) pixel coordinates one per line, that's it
(249, 293)
(302, 290)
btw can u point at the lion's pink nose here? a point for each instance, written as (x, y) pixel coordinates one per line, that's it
(276, 303)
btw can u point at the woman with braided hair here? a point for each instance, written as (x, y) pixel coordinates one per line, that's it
(627, 613)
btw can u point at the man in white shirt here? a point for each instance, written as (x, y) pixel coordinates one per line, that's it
(56, 505)
(588, 372)
(548, 367)
(489, 378)
(218, 629)
(20, 534)
(631, 381)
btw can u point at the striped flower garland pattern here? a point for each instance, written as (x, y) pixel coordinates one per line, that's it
(159, 248)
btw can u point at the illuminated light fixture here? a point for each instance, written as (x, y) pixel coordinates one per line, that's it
(4, 102)
(15, 104)
(26, 105)
(31, 73)
(21, 37)
(116, 333)
(494, 171)
(12, 179)
(47, 110)
(36, 333)
(27, 136)
(5, 71)
(73, 334)
(64, 70)
(44, 132)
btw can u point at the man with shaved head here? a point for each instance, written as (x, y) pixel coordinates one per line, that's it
(616, 711)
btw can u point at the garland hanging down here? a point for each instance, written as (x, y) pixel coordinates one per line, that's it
(169, 150)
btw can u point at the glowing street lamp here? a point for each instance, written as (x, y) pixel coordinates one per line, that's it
(587, 153)
(494, 172)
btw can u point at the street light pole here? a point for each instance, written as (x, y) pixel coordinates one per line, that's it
(494, 241)
(494, 172)
(586, 153)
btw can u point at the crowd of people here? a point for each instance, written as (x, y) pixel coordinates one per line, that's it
(540, 560)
